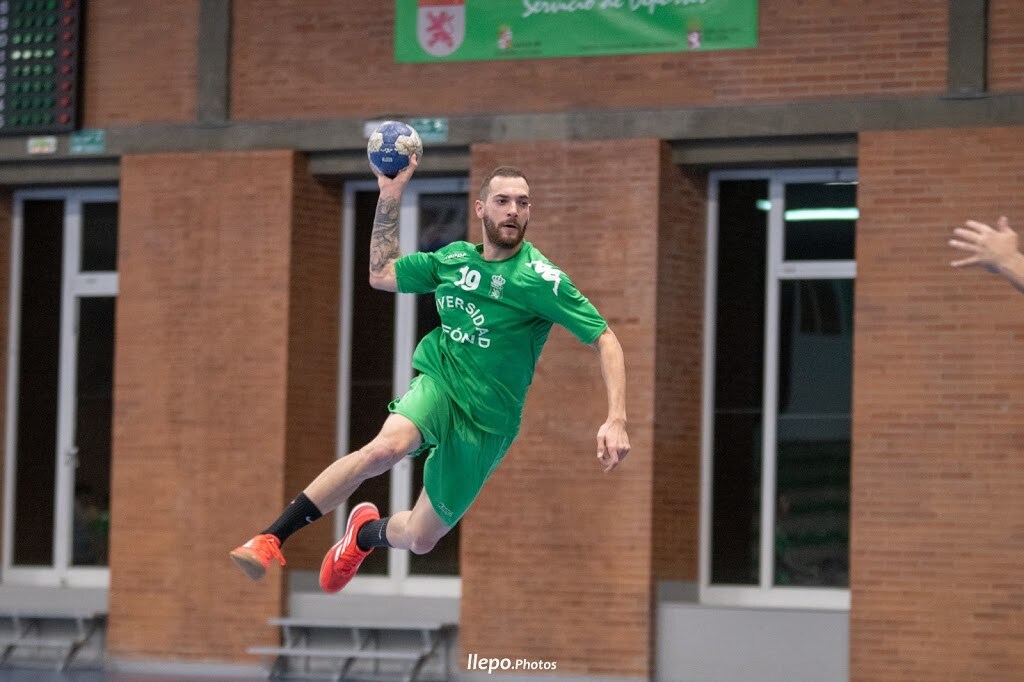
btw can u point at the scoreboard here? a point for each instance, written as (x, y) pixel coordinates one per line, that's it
(39, 65)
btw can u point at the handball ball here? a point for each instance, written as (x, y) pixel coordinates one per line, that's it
(390, 145)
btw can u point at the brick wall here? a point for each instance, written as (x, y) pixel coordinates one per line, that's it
(1006, 46)
(206, 398)
(937, 527)
(140, 63)
(555, 554)
(312, 406)
(679, 358)
(293, 59)
(306, 58)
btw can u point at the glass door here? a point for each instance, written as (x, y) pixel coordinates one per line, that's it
(379, 331)
(60, 387)
(777, 395)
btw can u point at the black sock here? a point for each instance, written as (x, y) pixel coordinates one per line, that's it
(297, 515)
(373, 534)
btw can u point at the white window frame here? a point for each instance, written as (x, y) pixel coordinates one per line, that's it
(765, 594)
(75, 285)
(397, 581)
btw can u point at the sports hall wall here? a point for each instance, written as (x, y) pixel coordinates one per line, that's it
(587, 547)
(226, 350)
(225, 389)
(937, 526)
(290, 59)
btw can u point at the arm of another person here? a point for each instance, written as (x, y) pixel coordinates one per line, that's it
(384, 244)
(994, 248)
(612, 440)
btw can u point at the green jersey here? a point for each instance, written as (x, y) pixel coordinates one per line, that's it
(495, 318)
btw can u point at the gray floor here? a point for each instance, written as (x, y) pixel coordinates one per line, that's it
(39, 675)
(85, 675)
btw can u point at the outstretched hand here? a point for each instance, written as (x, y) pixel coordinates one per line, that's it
(988, 247)
(612, 443)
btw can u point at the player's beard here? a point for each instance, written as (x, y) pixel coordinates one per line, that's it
(494, 236)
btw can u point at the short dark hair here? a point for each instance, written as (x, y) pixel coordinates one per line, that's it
(500, 172)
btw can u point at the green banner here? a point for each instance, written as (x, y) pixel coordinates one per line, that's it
(463, 30)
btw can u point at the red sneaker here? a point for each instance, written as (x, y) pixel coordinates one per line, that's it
(342, 561)
(254, 556)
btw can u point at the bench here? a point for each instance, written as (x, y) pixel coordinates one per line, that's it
(351, 641)
(35, 629)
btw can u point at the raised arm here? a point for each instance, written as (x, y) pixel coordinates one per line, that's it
(384, 244)
(996, 249)
(612, 440)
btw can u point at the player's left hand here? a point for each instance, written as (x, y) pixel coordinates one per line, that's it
(612, 443)
(991, 248)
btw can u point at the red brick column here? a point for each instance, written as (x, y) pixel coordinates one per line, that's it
(679, 358)
(937, 527)
(556, 555)
(226, 365)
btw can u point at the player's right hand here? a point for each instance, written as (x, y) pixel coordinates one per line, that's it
(398, 183)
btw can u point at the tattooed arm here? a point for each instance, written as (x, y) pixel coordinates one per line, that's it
(384, 246)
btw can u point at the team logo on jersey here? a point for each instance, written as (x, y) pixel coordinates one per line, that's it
(497, 285)
(548, 272)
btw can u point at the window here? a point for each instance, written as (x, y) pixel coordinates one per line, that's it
(379, 331)
(777, 393)
(64, 286)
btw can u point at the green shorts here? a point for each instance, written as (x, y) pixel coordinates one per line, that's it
(461, 455)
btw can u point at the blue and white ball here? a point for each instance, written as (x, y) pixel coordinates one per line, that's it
(390, 145)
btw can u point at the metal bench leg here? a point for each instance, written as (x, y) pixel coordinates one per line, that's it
(345, 667)
(277, 668)
(84, 635)
(417, 666)
(431, 641)
(446, 638)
